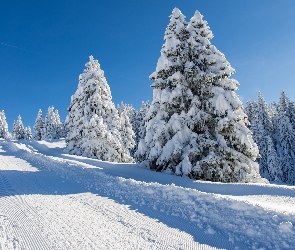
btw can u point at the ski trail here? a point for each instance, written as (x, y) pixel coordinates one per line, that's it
(27, 228)
(86, 203)
(40, 210)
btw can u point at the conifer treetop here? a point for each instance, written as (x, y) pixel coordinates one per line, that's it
(208, 60)
(175, 35)
(197, 22)
(92, 65)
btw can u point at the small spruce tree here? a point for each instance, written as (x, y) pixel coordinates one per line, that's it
(39, 126)
(28, 133)
(18, 130)
(127, 133)
(52, 125)
(3, 126)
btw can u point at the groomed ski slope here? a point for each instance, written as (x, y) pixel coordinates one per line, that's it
(52, 200)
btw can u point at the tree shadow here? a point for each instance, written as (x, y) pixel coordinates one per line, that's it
(135, 171)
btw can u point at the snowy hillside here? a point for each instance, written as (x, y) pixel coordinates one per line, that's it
(52, 200)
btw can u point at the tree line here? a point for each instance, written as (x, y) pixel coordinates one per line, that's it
(195, 125)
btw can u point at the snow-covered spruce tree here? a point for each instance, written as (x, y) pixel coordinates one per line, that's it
(273, 165)
(137, 121)
(168, 90)
(140, 131)
(52, 125)
(128, 108)
(292, 113)
(63, 129)
(141, 118)
(28, 133)
(286, 138)
(39, 126)
(132, 114)
(93, 121)
(18, 130)
(262, 129)
(3, 126)
(196, 125)
(250, 111)
(58, 125)
(126, 132)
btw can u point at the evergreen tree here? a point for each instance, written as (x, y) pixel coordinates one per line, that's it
(52, 125)
(167, 91)
(263, 134)
(18, 130)
(3, 126)
(58, 125)
(196, 125)
(292, 113)
(141, 119)
(93, 121)
(286, 138)
(28, 133)
(126, 132)
(137, 121)
(140, 131)
(273, 165)
(132, 114)
(39, 126)
(250, 111)
(63, 129)
(264, 115)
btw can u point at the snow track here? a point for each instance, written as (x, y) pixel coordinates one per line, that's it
(34, 215)
(60, 203)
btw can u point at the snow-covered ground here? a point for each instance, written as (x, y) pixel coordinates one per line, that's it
(52, 200)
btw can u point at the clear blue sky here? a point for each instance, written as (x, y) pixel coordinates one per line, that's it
(45, 45)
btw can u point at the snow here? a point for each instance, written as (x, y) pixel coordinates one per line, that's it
(53, 200)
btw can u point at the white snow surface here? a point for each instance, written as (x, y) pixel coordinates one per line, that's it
(53, 200)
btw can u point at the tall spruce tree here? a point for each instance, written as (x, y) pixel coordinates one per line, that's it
(3, 126)
(168, 92)
(196, 125)
(262, 128)
(93, 121)
(286, 138)
(39, 126)
(292, 113)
